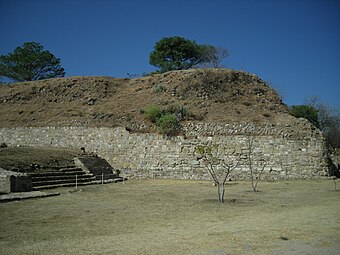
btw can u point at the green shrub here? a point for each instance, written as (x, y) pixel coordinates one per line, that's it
(167, 120)
(153, 113)
(168, 124)
(307, 112)
(158, 88)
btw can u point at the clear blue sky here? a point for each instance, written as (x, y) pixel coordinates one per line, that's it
(294, 45)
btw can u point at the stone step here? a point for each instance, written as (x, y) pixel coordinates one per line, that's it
(70, 169)
(119, 179)
(42, 169)
(14, 196)
(65, 181)
(61, 177)
(53, 186)
(107, 176)
(96, 166)
(57, 173)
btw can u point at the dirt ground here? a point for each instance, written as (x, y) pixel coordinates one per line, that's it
(176, 217)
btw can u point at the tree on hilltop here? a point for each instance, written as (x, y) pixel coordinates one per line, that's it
(30, 62)
(213, 56)
(178, 53)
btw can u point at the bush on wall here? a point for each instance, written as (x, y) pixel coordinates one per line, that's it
(167, 120)
(168, 124)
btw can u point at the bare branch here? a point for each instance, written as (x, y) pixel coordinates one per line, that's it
(218, 168)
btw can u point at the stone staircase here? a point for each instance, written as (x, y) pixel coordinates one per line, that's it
(99, 167)
(61, 177)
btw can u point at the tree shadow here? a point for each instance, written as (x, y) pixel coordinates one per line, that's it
(231, 201)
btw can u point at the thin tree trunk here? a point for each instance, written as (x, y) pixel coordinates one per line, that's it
(254, 184)
(220, 187)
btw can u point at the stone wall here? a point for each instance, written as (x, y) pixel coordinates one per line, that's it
(14, 182)
(294, 152)
(5, 184)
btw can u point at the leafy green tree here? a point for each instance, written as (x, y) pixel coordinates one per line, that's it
(177, 53)
(305, 111)
(30, 62)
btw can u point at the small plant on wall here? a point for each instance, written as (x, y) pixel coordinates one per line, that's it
(168, 124)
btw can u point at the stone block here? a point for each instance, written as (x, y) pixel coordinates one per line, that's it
(5, 184)
(21, 183)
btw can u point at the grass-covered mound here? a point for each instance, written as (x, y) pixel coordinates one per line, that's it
(33, 159)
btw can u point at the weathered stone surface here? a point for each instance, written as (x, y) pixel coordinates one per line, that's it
(99, 167)
(11, 181)
(5, 184)
(21, 183)
(295, 151)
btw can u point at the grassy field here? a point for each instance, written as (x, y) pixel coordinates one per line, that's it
(176, 217)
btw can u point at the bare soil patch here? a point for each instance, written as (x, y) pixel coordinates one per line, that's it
(176, 217)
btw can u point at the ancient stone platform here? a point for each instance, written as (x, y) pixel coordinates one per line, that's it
(15, 196)
(97, 166)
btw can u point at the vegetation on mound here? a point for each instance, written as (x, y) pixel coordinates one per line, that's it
(167, 120)
(209, 95)
(30, 62)
(178, 53)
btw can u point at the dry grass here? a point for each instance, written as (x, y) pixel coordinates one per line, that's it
(209, 95)
(31, 159)
(176, 217)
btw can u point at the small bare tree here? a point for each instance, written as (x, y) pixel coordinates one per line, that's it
(218, 168)
(256, 165)
(334, 180)
(213, 56)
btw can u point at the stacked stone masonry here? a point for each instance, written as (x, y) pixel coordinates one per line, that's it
(295, 151)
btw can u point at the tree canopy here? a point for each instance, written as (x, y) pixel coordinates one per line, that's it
(178, 53)
(329, 119)
(30, 62)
